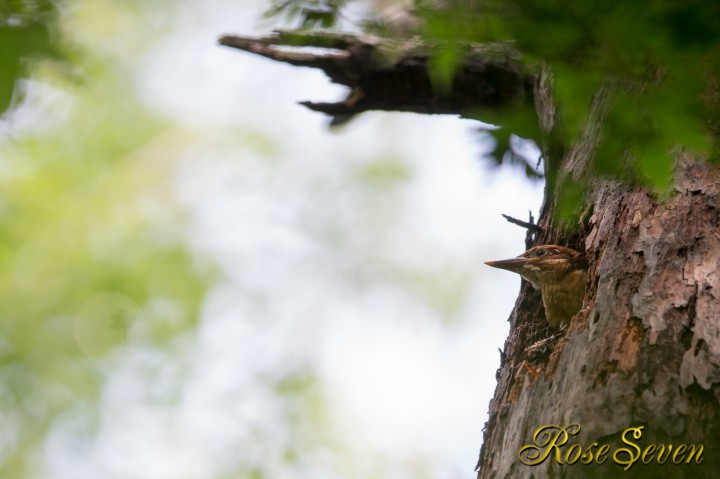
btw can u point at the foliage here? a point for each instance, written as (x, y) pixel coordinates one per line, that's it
(26, 30)
(312, 13)
(659, 58)
(91, 259)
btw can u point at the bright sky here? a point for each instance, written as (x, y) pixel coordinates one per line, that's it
(378, 289)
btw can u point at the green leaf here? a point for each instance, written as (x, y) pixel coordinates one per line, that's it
(443, 65)
(570, 198)
(655, 164)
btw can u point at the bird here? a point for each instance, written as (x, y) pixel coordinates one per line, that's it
(559, 273)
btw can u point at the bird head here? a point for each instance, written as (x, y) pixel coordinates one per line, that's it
(544, 265)
(559, 273)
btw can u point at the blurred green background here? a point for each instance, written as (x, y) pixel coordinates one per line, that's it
(200, 281)
(92, 258)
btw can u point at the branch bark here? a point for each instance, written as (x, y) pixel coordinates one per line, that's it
(392, 75)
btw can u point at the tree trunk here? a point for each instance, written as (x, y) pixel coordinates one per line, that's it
(644, 351)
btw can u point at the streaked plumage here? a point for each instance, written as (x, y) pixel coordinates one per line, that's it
(559, 273)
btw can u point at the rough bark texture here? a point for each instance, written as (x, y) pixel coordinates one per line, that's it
(392, 75)
(645, 349)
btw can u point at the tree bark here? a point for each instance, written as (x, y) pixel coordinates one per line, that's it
(645, 349)
(392, 75)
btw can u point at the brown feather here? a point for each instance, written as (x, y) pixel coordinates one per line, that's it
(559, 273)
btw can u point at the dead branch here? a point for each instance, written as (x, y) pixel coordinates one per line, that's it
(393, 75)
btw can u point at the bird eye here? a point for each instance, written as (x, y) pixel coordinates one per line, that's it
(540, 252)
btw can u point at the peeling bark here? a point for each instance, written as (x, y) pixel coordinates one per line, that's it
(645, 350)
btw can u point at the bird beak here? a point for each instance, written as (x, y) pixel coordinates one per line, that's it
(513, 264)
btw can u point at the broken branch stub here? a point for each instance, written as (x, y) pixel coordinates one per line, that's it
(393, 75)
